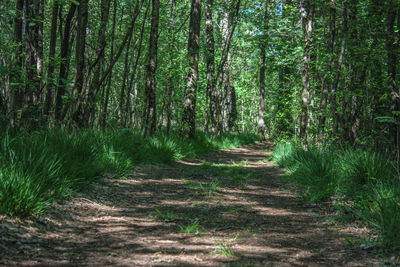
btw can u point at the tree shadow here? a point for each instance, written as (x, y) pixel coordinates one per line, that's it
(175, 216)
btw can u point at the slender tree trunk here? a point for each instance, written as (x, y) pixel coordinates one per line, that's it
(108, 85)
(339, 66)
(392, 56)
(101, 37)
(223, 71)
(135, 66)
(33, 59)
(80, 67)
(212, 95)
(263, 46)
(170, 83)
(189, 101)
(327, 81)
(307, 8)
(51, 67)
(127, 67)
(17, 93)
(150, 116)
(64, 65)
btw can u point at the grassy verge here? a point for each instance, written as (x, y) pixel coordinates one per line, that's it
(365, 180)
(40, 167)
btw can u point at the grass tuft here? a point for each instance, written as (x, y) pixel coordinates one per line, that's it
(40, 167)
(367, 181)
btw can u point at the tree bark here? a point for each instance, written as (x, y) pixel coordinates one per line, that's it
(212, 95)
(307, 8)
(189, 101)
(101, 37)
(263, 46)
(80, 66)
(150, 117)
(17, 93)
(64, 65)
(51, 67)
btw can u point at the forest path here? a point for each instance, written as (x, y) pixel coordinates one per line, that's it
(229, 208)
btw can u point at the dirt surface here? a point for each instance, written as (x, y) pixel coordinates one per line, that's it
(229, 208)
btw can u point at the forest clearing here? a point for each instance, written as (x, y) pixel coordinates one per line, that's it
(200, 132)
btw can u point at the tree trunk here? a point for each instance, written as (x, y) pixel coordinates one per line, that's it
(78, 91)
(135, 66)
(150, 117)
(52, 53)
(189, 101)
(263, 46)
(212, 95)
(327, 81)
(392, 56)
(17, 93)
(64, 65)
(33, 59)
(307, 8)
(101, 37)
(107, 86)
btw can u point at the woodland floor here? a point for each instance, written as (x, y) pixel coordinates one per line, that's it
(229, 208)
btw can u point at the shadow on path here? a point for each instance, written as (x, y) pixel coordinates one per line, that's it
(228, 208)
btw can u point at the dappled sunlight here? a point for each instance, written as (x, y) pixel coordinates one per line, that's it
(201, 214)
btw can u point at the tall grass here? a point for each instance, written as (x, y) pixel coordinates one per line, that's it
(40, 167)
(368, 180)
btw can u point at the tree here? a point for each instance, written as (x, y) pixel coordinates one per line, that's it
(189, 100)
(150, 91)
(263, 46)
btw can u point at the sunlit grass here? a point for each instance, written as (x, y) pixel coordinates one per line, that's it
(367, 181)
(37, 168)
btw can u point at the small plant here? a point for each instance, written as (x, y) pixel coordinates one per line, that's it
(166, 215)
(281, 153)
(192, 228)
(207, 189)
(224, 249)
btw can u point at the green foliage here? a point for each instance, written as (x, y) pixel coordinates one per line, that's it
(360, 169)
(314, 171)
(366, 180)
(281, 153)
(40, 167)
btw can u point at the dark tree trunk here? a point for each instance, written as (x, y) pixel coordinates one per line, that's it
(107, 86)
(189, 101)
(80, 68)
(101, 37)
(150, 90)
(135, 66)
(64, 65)
(339, 66)
(392, 56)
(17, 92)
(33, 59)
(52, 53)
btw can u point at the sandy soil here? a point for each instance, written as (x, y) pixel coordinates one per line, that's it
(230, 208)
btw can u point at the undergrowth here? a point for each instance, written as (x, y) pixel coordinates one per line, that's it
(40, 167)
(366, 180)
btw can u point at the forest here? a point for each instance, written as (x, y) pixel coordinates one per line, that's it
(300, 93)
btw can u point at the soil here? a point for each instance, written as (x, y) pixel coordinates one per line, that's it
(229, 208)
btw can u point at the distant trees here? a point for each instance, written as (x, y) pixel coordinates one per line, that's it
(320, 71)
